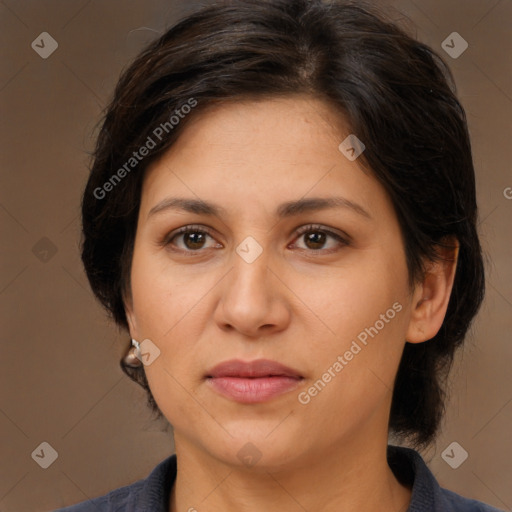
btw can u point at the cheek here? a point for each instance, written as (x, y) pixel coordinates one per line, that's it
(348, 301)
(174, 396)
(169, 308)
(354, 374)
(161, 295)
(367, 312)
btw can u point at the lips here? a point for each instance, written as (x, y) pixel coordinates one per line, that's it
(252, 382)
(252, 369)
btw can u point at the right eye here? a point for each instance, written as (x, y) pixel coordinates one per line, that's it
(193, 239)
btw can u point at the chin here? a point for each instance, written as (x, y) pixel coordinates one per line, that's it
(257, 449)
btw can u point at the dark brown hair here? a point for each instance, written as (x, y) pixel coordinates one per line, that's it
(397, 96)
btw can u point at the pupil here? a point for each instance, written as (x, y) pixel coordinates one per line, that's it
(191, 236)
(316, 238)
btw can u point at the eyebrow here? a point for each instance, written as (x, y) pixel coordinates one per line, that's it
(284, 210)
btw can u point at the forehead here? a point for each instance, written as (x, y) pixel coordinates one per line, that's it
(260, 153)
(279, 124)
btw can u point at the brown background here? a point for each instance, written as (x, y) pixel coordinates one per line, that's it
(61, 382)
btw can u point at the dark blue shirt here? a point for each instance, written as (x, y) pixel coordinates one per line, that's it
(152, 493)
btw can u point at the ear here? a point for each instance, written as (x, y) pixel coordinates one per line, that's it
(432, 294)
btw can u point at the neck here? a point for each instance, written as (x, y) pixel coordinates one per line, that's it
(350, 477)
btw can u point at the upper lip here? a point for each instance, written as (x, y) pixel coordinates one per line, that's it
(256, 368)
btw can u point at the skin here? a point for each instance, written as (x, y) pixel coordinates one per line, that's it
(301, 303)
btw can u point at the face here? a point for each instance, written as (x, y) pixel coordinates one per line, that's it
(322, 291)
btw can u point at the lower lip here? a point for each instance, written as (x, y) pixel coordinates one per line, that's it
(253, 390)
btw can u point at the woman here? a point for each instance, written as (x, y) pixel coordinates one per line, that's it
(281, 213)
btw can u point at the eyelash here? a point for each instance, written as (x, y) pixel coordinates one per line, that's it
(311, 228)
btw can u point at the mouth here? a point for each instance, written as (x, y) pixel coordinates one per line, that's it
(254, 381)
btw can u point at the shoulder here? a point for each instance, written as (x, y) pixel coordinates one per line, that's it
(427, 495)
(460, 503)
(118, 499)
(151, 493)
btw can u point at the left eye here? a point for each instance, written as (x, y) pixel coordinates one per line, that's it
(316, 236)
(194, 238)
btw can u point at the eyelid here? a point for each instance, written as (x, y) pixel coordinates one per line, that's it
(330, 231)
(186, 229)
(341, 237)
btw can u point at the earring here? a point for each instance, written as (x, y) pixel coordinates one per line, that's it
(133, 357)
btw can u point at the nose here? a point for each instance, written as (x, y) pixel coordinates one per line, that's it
(252, 299)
